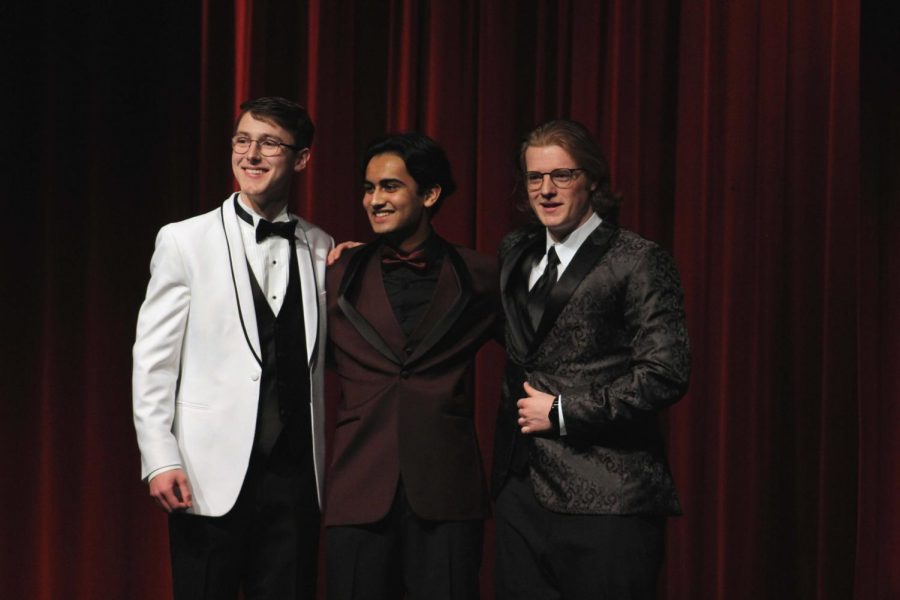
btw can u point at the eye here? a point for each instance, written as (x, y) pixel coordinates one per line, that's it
(368, 188)
(533, 177)
(269, 144)
(562, 175)
(390, 186)
(240, 141)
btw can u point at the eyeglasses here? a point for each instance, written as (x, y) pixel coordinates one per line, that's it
(561, 178)
(267, 146)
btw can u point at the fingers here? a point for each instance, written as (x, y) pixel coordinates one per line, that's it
(522, 421)
(336, 252)
(171, 491)
(523, 425)
(183, 490)
(333, 256)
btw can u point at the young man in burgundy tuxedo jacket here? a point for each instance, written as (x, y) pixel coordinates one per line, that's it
(596, 346)
(406, 493)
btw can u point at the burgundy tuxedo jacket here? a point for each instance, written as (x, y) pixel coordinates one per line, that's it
(406, 407)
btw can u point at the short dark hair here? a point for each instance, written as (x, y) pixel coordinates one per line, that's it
(425, 161)
(574, 138)
(285, 113)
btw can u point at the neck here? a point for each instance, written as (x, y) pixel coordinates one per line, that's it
(266, 208)
(406, 242)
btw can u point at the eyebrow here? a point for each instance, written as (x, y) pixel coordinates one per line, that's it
(264, 136)
(383, 182)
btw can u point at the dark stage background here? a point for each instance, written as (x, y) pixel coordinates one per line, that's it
(735, 131)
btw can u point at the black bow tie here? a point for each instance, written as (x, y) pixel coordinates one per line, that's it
(285, 229)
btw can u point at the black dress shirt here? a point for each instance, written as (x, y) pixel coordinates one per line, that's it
(410, 290)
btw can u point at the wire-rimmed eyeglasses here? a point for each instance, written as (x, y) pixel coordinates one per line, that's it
(267, 146)
(561, 178)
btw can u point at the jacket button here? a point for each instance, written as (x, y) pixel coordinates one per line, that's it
(404, 374)
(408, 349)
(255, 377)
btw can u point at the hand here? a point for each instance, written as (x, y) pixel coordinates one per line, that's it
(336, 252)
(534, 409)
(171, 490)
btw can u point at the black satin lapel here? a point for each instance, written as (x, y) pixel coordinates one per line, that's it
(512, 260)
(517, 326)
(453, 261)
(365, 329)
(588, 255)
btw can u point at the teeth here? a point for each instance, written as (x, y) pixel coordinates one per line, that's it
(255, 171)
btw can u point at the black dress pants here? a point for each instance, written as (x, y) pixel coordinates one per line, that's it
(544, 555)
(403, 556)
(265, 545)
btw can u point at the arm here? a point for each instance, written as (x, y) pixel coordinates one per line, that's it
(157, 356)
(659, 365)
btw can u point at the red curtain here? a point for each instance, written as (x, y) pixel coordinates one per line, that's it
(734, 131)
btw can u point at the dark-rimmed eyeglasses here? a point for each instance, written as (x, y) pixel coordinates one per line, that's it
(267, 146)
(561, 178)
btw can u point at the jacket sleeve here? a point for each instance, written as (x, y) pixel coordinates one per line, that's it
(157, 355)
(658, 368)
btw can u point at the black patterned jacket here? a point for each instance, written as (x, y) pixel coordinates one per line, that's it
(614, 343)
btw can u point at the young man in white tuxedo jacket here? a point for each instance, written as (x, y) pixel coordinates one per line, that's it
(227, 379)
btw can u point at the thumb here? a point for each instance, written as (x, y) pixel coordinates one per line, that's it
(527, 387)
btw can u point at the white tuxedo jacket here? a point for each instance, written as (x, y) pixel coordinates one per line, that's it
(196, 368)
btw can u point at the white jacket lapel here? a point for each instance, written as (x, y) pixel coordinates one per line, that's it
(241, 277)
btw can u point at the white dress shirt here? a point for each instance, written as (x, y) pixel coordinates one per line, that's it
(565, 251)
(269, 259)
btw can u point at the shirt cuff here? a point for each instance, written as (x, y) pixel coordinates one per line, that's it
(562, 418)
(162, 470)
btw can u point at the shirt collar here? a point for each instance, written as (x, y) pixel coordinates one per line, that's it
(567, 248)
(239, 203)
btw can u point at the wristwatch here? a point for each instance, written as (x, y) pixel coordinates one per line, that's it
(554, 415)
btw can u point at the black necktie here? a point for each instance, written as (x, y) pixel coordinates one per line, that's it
(283, 229)
(540, 293)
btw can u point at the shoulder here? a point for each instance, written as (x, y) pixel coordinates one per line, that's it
(517, 237)
(190, 231)
(315, 235)
(629, 243)
(335, 272)
(480, 265)
(642, 255)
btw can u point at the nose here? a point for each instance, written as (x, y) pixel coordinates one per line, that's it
(370, 198)
(547, 186)
(376, 197)
(253, 152)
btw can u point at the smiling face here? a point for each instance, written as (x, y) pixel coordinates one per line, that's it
(265, 181)
(560, 210)
(393, 203)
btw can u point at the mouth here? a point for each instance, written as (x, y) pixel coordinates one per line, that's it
(550, 205)
(254, 171)
(381, 213)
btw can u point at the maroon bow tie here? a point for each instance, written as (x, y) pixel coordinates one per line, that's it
(415, 260)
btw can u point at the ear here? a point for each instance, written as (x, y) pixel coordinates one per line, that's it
(301, 160)
(431, 196)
